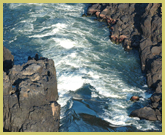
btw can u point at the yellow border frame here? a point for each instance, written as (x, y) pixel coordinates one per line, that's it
(73, 1)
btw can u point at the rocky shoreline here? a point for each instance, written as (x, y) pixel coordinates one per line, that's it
(30, 90)
(30, 95)
(138, 26)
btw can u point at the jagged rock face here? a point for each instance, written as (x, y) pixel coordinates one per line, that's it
(8, 60)
(138, 25)
(35, 78)
(29, 97)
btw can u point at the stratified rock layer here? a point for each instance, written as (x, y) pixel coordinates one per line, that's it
(29, 97)
(138, 25)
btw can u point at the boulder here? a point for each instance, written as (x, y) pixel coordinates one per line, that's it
(134, 98)
(144, 113)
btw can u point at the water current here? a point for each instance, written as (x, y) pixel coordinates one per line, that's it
(96, 78)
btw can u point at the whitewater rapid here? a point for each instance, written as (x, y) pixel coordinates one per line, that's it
(96, 78)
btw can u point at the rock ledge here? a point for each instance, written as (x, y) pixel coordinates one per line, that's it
(29, 97)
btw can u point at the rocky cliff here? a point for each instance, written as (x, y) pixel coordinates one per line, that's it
(138, 25)
(30, 95)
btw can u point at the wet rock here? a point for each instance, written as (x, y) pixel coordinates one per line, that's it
(8, 60)
(141, 26)
(94, 120)
(134, 98)
(144, 113)
(32, 106)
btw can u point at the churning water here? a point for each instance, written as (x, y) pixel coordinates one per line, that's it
(96, 78)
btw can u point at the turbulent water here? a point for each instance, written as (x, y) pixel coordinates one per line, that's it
(96, 78)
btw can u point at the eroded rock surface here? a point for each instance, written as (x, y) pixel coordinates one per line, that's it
(137, 25)
(29, 97)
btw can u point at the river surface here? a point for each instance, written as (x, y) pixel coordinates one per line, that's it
(96, 78)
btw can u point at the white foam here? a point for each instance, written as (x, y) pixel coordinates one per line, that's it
(73, 55)
(71, 83)
(111, 94)
(65, 43)
(115, 122)
(93, 75)
(121, 106)
(14, 5)
(63, 100)
(72, 64)
(57, 28)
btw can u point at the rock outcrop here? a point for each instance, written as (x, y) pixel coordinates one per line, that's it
(138, 25)
(8, 60)
(29, 97)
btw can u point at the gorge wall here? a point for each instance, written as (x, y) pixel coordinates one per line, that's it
(138, 25)
(30, 95)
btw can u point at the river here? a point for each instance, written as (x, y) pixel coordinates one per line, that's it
(96, 78)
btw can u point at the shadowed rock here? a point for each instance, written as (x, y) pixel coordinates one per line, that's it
(8, 60)
(93, 120)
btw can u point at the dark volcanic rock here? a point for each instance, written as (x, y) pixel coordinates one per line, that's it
(144, 113)
(29, 97)
(8, 60)
(137, 25)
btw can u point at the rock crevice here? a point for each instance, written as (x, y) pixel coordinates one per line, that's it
(139, 26)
